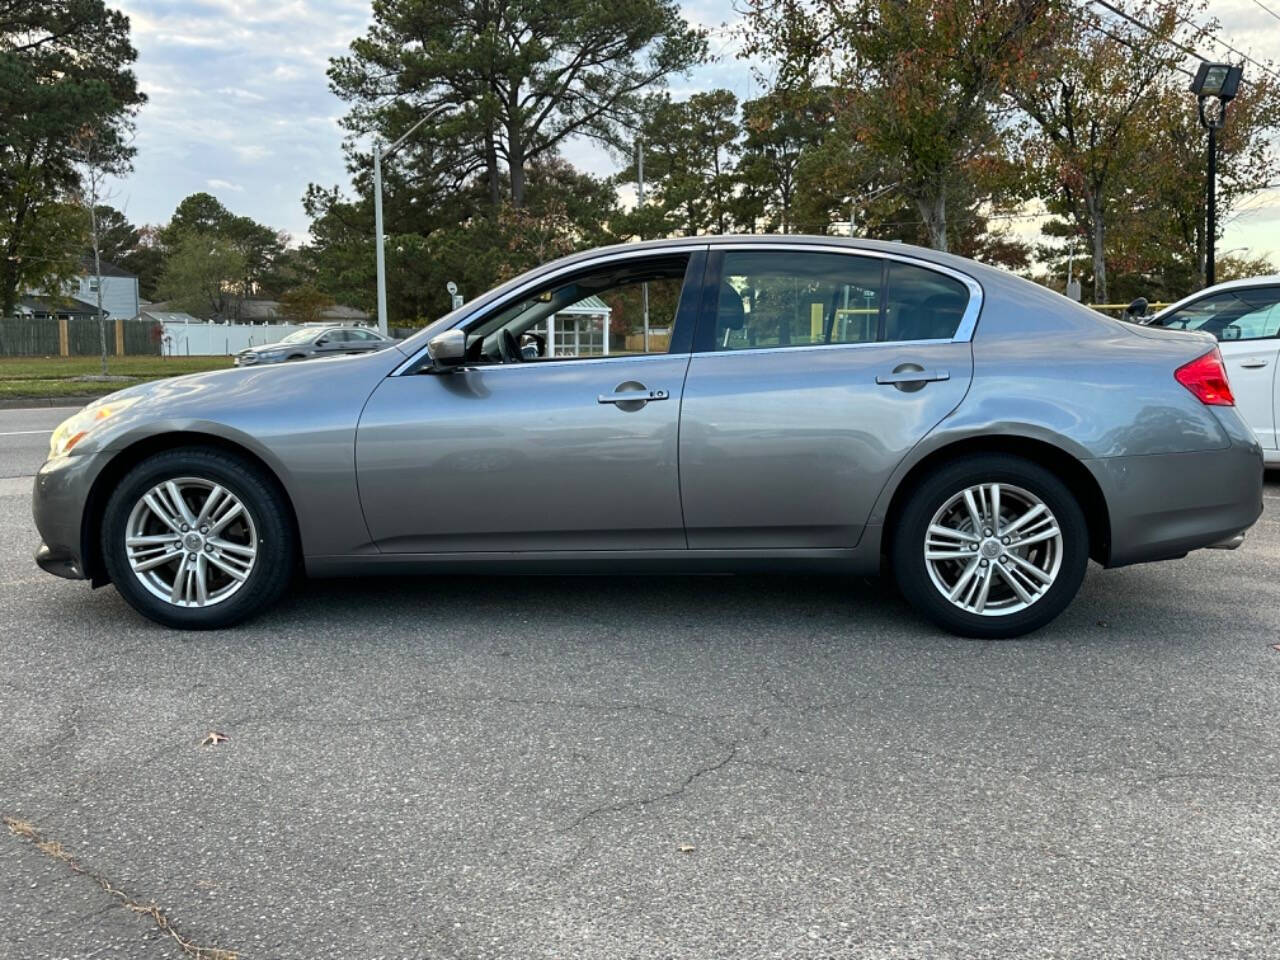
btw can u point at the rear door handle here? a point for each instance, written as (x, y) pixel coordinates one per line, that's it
(632, 396)
(1253, 363)
(912, 376)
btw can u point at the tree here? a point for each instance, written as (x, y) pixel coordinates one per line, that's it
(917, 79)
(202, 274)
(305, 304)
(64, 71)
(1094, 112)
(782, 131)
(688, 153)
(260, 247)
(518, 78)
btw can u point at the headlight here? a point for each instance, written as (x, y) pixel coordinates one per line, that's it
(78, 426)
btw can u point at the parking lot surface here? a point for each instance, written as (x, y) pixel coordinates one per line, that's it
(639, 767)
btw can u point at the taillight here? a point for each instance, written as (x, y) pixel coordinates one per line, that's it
(1206, 377)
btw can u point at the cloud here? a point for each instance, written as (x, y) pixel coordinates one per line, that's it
(239, 101)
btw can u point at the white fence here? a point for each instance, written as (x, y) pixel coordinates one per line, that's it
(209, 338)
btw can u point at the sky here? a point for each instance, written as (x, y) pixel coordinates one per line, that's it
(239, 105)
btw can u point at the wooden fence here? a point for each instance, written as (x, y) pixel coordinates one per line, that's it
(76, 337)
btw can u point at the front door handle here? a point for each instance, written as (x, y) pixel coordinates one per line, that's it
(634, 395)
(916, 375)
(1253, 363)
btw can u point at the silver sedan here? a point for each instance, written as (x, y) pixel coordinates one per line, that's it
(314, 342)
(710, 404)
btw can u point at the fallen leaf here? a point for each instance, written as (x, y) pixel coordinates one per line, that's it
(214, 738)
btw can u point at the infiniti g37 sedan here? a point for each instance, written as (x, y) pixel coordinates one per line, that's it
(722, 404)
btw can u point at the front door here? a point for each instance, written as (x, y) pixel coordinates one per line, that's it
(813, 375)
(532, 449)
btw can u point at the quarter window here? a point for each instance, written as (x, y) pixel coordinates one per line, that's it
(922, 304)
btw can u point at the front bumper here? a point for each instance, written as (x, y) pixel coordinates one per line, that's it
(58, 503)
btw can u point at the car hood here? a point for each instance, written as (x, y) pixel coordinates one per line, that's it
(249, 399)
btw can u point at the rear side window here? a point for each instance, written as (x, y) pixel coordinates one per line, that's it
(1250, 314)
(774, 298)
(777, 299)
(922, 304)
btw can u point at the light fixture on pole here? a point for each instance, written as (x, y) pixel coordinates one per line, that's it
(378, 155)
(1215, 85)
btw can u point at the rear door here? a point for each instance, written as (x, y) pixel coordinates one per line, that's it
(815, 370)
(1246, 322)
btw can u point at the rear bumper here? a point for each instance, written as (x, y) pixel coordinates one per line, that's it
(1164, 506)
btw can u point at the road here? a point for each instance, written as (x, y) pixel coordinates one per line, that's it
(640, 768)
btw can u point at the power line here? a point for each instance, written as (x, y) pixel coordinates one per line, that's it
(1266, 8)
(1147, 28)
(1203, 32)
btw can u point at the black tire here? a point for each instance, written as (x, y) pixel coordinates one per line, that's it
(262, 499)
(912, 570)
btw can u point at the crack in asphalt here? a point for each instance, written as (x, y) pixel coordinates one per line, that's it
(27, 832)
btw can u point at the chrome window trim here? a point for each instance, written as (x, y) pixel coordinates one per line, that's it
(804, 348)
(583, 264)
(964, 332)
(968, 320)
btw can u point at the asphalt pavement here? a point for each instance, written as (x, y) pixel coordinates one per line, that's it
(639, 767)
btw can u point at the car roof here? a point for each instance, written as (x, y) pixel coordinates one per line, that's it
(1266, 280)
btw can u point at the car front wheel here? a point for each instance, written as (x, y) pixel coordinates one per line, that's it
(198, 539)
(991, 546)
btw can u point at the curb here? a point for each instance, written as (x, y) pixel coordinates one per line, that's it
(35, 403)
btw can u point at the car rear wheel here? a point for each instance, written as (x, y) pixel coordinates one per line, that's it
(991, 546)
(198, 539)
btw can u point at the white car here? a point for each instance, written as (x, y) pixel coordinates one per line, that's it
(1245, 317)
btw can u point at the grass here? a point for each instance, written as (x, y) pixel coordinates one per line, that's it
(42, 378)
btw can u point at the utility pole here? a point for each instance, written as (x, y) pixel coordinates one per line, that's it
(380, 256)
(644, 287)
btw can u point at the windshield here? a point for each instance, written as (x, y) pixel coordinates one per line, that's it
(298, 336)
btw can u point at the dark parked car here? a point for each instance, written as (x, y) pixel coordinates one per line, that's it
(811, 404)
(314, 342)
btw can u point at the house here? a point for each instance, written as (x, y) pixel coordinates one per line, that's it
(579, 330)
(119, 288)
(79, 296)
(54, 308)
(259, 310)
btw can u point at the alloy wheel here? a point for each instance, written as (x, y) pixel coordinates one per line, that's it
(993, 549)
(191, 542)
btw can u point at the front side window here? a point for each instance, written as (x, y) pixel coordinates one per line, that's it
(601, 313)
(789, 299)
(1251, 314)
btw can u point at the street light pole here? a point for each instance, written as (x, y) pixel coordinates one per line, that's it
(1211, 227)
(1213, 83)
(377, 228)
(379, 238)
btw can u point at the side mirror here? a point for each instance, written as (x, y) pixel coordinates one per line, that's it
(447, 350)
(1138, 308)
(322, 341)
